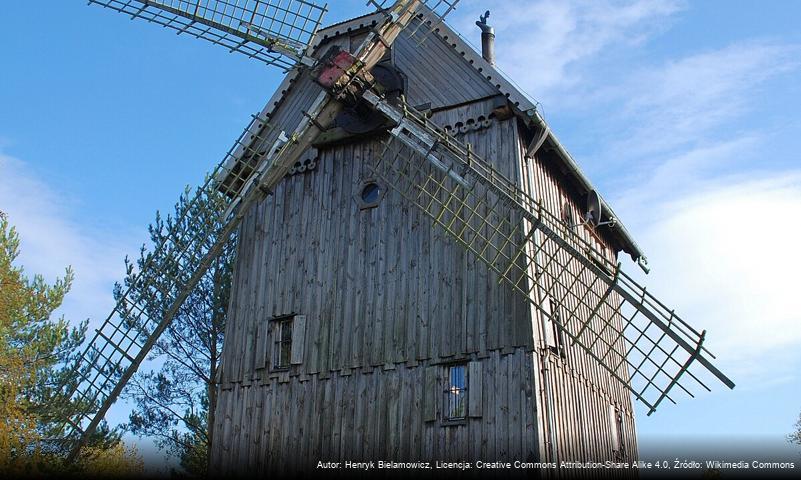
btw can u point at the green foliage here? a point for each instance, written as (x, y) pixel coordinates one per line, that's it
(36, 356)
(175, 400)
(117, 460)
(795, 437)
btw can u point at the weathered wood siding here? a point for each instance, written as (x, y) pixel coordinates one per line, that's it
(384, 295)
(431, 70)
(387, 297)
(582, 391)
(291, 422)
(378, 286)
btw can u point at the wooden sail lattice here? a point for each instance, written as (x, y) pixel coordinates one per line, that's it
(436, 10)
(259, 159)
(276, 32)
(168, 276)
(434, 13)
(603, 311)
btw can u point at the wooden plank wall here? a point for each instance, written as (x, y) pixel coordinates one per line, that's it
(373, 414)
(430, 76)
(386, 295)
(378, 286)
(582, 391)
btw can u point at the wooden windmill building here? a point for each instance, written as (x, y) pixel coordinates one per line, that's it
(423, 271)
(359, 331)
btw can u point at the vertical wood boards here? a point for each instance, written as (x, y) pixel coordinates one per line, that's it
(583, 390)
(383, 300)
(375, 287)
(346, 254)
(430, 75)
(289, 426)
(298, 339)
(475, 391)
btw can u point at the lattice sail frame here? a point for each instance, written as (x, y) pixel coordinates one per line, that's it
(437, 10)
(275, 32)
(643, 345)
(169, 274)
(259, 159)
(626, 330)
(434, 12)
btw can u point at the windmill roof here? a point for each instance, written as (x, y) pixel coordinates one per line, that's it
(522, 105)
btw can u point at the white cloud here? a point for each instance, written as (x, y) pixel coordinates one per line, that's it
(544, 45)
(592, 57)
(51, 240)
(727, 256)
(683, 101)
(720, 232)
(684, 174)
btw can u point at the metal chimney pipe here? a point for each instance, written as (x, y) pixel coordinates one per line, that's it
(487, 39)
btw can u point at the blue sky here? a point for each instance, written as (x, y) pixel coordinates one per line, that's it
(684, 114)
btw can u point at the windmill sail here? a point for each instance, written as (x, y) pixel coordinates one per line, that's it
(436, 10)
(170, 273)
(432, 11)
(124, 339)
(276, 32)
(621, 326)
(615, 321)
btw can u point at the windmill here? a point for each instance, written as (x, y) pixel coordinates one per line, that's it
(567, 287)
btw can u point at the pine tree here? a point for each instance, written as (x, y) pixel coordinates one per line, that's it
(36, 355)
(175, 401)
(795, 437)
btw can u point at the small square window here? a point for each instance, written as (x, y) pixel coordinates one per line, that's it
(456, 393)
(283, 344)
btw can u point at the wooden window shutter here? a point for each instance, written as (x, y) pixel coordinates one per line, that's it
(548, 325)
(614, 428)
(432, 393)
(261, 344)
(298, 338)
(475, 383)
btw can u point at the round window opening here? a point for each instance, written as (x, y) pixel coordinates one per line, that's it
(371, 193)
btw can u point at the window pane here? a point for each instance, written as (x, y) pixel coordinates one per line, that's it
(456, 392)
(457, 376)
(285, 352)
(283, 344)
(459, 407)
(286, 331)
(370, 193)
